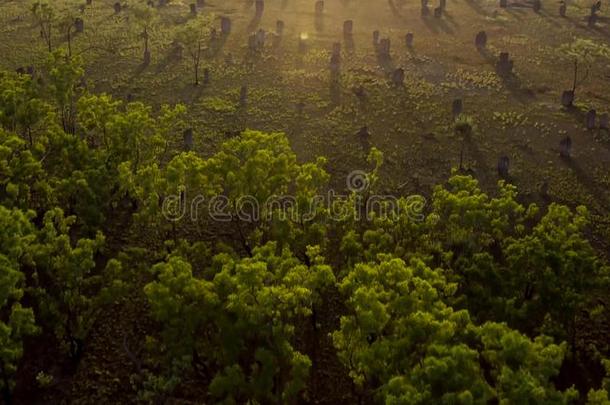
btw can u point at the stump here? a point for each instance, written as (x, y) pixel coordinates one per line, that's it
(188, 139)
(146, 60)
(335, 63)
(565, 147)
(567, 98)
(537, 6)
(384, 48)
(319, 8)
(503, 166)
(456, 107)
(243, 96)
(398, 77)
(504, 67)
(348, 28)
(409, 40)
(225, 25)
(79, 25)
(117, 7)
(480, 41)
(260, 7)
(590, 119)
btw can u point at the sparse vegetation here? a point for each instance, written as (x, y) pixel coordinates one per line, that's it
(191, 208)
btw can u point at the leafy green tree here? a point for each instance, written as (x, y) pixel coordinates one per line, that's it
(146, 19)
(194, 37)
(66, 286)
(22, 110)
(22, 178)
(400, 340)
(583, 52)
(235, 323)
(65, 74)
(249, 178)
(552, 272)
(16, 321)
(45, 15)
(94, 113)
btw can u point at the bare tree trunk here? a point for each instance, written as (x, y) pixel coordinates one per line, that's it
(575, 75)
(70, 42)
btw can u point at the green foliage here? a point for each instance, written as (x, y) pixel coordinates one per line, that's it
(586, 50)
(16, 321)
(65, 73)
(236, 324)
(552, 271)
(401, 340)
(66, 286)
(22, 179)
(21, 108)
(601, 396)
(45, 15)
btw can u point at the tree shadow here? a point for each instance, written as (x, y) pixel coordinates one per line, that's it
(578, 114)
(549, 18)
(449, 18)
(335, 88)
(513, 84)
(516, 13)
(587, 181)
(471, 150)
(218, 44)
(319, 23)
(348, 41)
(386, 63)
(489, 58)
(171, 58)
(394, 9)
(437, 24)
(474, 4)
(253, 24)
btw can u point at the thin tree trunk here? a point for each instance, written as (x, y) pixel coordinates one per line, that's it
(575, 75)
